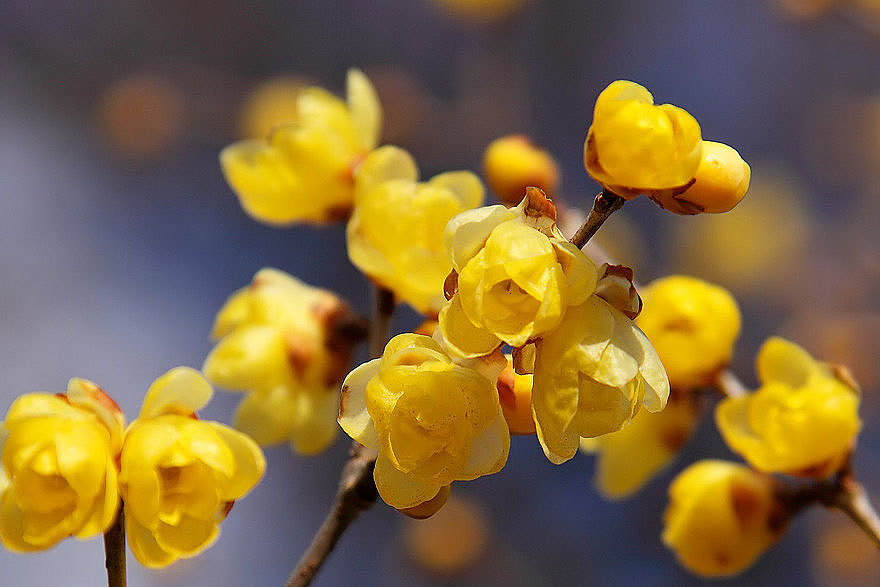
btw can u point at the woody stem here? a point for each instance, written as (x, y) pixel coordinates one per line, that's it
(605, 204)
(114, 551)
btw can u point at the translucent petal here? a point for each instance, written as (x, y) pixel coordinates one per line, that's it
(398, 489)
(181, 390)
(315, 427)
(12, 525)
(267, 416)
(143, 544)
(249, 357)
(489, 450)
(785, 362)
(460, 334)
(554, 404)
(187, 538)
(232, 314)
(467, 232)
(249, 461)
(354, 418)
(365, 109)
(466, 186)
(385, 164)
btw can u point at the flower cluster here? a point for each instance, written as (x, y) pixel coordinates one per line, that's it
(68, 459)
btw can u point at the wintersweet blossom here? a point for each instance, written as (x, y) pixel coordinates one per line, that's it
(635, 147)
(431, 420)
(513, 162)
(692, 324)
(303, 172)
(179, 475)
(395, 234)
(58, 475)
(279, 342)
(516, 275)
(630, 457)
(721, 517)
(592, 374)
(803, 420)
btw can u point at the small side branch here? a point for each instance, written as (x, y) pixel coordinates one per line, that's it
(114, 551)
(381, 322)
(605, 204)
(852, 500)
(729, 384)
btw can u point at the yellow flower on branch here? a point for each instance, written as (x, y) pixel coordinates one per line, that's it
(803, 420)
(635, 147)
(516, 275)
(288, 346)
(592, 374)
(303, 172)
(58, 475)
(432, 421)
(179, 475)
(692, 325)
(395, 235)
(721, 517)
(512, 163)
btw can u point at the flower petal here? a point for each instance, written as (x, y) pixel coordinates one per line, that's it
(398, 489)
(249, 461)
(385, 164)
(466, 186)
(365, 109)
(267, 416)
(353, 416)
(489, 450)
(460, 335)
(181, 390)
(467, 233)
(315, 427)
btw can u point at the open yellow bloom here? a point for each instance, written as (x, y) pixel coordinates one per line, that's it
(635, 146)
(512, 163)
(692, 325)
(592, 374)
(58, 477)
(280, 342)
(395, 235)
(630, 457)
(721, 517)
(432, 420)
(803, 420)
(179, 475)
(303, 171)
(720, 183)
(516, 276)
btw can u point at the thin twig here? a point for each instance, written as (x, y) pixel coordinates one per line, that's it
(729, 384)
(605, 204)
(852, 499)
(357, 490)
(114, 551)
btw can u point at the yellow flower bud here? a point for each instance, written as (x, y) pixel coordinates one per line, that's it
(592, 374)
(58, 475)
(179, 475)
(281, 341)
(721, 517)
(515, 394)
(516, 276)
(303, 171)
(432, 421)
(635, 147)
(512, 163)
(721, 181)
(803, 420)
(395, 235)
(692, 325)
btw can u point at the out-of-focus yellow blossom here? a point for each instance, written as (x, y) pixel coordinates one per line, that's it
(635, 147)
(452, 540)
(721, 517)
(628, 458)
(513, 162)
(432, 421)
(395, 235)
(480, 11)
(592, 374)
(58, 476)
(720, 183)
(515, 394)
(179, 475)
(692, 325)
(269, 104)
(279, 341)
(303, 172)
(803, 420)
(516, 275)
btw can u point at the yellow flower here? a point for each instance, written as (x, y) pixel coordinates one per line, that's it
(721, 516)
(58, 477)
(692, 325)
(480, 11)
(515, 394)
(592, 374)
(432, 421)
(635, 147)
(179, 475)
(512, 163)
(628, 458)
(280, 342)
(803, 420)
(395, 235)
(516, 276)
(720, 183)
(269, 104)
(303, 171)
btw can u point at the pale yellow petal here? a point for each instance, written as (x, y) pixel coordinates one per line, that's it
(353, 416)
(466, 186)
(181, 390)
(249, 461)
(489, 450)
(460, 335)
(232, 314)
(467, 232)
(398, 489)
(783, 361)
(143, 544)
(315, 427)
(384, 164)
(365, 109)
(249, 357)
(187, 538)
(267, 416)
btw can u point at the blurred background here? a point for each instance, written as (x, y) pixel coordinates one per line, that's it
(119, 239)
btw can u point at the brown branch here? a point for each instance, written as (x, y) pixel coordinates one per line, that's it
(114, 551)
(852, 499)
(357, 490)
(605, 204)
